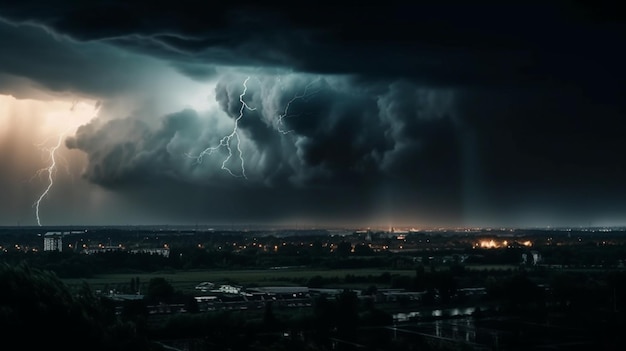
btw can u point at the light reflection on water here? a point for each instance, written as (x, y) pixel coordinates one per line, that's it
(452, 312)
(456, 330)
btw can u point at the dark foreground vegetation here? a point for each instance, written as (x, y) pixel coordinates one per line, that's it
(589, 307)
(573, 299)
(38, 312)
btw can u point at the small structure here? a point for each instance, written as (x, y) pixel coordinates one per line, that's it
(53, 241)
(163, 251)
(229, 289)
(282, 292)
(536, 257)
(205, 286)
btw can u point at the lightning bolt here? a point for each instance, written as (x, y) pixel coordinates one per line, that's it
(303, 95)
(233, 140)
(51, 169)
(226, 141)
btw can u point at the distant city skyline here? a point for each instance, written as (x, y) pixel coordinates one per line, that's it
(394, 115)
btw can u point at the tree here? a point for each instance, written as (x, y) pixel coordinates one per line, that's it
(160, 290)
(363, 250)
(344, 248)
(323, 316)
(269, 319)
(347, 314)
(37, 300)
(316, 281)
(446, 286)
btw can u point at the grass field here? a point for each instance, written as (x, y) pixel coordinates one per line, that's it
(493, 267)
(186, 280)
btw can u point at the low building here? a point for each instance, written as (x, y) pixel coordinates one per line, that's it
(101, 249)
(229, 289)
(282, 292)
(205, 286)
(163, 251)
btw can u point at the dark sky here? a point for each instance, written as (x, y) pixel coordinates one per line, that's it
(432, 114)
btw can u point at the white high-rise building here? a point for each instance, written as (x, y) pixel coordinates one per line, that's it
(53, 241)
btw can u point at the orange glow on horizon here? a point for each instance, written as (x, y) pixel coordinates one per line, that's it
(488, 244)
(493, 244)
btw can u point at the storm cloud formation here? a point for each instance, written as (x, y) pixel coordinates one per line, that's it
(333, 134)
(430, 114)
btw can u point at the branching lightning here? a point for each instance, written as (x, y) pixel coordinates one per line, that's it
(233, 139)
(304, 95)
(226, 141)
(51, 169)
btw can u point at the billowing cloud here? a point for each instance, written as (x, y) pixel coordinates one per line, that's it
(300, 131)
(443, 43)
(399, 112)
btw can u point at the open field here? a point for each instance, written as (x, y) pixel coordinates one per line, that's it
(187, 280)
(491, 267)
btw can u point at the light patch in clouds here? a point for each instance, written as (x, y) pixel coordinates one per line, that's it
(28, 129)
(460, 118)
(347, 134)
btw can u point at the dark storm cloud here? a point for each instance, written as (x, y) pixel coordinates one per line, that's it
(130, 149)
(555, 149)
(334, 134)
(447, 42)
(497, 106)
(197, 72)
(61, 65)
(342, 144)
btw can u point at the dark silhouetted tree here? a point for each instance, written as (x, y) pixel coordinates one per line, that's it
(344, 249)
(347, 314)
(160, 290)
(37, 301)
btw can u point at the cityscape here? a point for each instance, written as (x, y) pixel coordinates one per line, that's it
(361, 240)
(440, 288)
(194, 176)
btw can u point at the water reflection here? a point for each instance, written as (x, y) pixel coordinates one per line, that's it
(455, 330)
(451, 312)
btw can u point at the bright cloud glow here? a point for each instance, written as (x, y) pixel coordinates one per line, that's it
(45, 119)
(33, 131)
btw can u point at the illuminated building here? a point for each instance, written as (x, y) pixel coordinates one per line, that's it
(53, 241)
